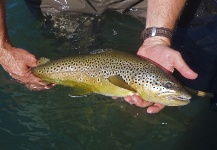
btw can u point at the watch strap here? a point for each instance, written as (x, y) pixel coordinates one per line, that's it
(157, 31)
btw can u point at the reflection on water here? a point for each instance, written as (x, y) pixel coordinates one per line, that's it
(53, 120)
(83, 33)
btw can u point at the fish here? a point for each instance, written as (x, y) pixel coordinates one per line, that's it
(114, 73)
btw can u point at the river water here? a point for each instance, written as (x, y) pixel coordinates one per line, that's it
(52, 120)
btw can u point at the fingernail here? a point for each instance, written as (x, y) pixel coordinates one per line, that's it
(149, 111)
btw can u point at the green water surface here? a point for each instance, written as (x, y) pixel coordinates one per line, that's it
(52, 120)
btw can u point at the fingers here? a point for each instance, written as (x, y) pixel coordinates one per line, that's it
(152, 108)
(32, 82)
(155, 108)
(37, 87)
(134, 99)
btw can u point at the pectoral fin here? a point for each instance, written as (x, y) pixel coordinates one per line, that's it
(42, 61)
(118, 81)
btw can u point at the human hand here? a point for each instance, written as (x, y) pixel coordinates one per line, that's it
(157, 49)
(18, 63)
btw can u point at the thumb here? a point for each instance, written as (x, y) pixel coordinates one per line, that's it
(31, 61)
(184, 69)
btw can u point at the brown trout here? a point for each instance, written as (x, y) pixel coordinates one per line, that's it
(115, 73)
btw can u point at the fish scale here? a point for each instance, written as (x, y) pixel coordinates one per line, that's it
(115, 73)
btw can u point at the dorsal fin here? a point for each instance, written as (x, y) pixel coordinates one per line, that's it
(97, 51)
(42, 61)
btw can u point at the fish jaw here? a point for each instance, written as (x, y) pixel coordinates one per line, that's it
(170, 100)
(175, 99)
(167, 98)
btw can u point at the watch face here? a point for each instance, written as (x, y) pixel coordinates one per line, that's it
(153, 31)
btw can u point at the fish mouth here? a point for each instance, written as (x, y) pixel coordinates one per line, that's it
(175, 99)
(178, 100)
(180, 97)
(176, 96)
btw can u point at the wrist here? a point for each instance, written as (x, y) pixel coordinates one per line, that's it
(5, 43)
(157, 40)
(5, 48)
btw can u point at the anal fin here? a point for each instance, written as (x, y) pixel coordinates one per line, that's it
(79, 92)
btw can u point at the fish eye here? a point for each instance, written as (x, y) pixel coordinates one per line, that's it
(168, 85)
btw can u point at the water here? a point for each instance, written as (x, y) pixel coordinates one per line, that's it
(53, 120)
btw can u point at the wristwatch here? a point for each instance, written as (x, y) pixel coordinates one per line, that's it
(157, 31)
